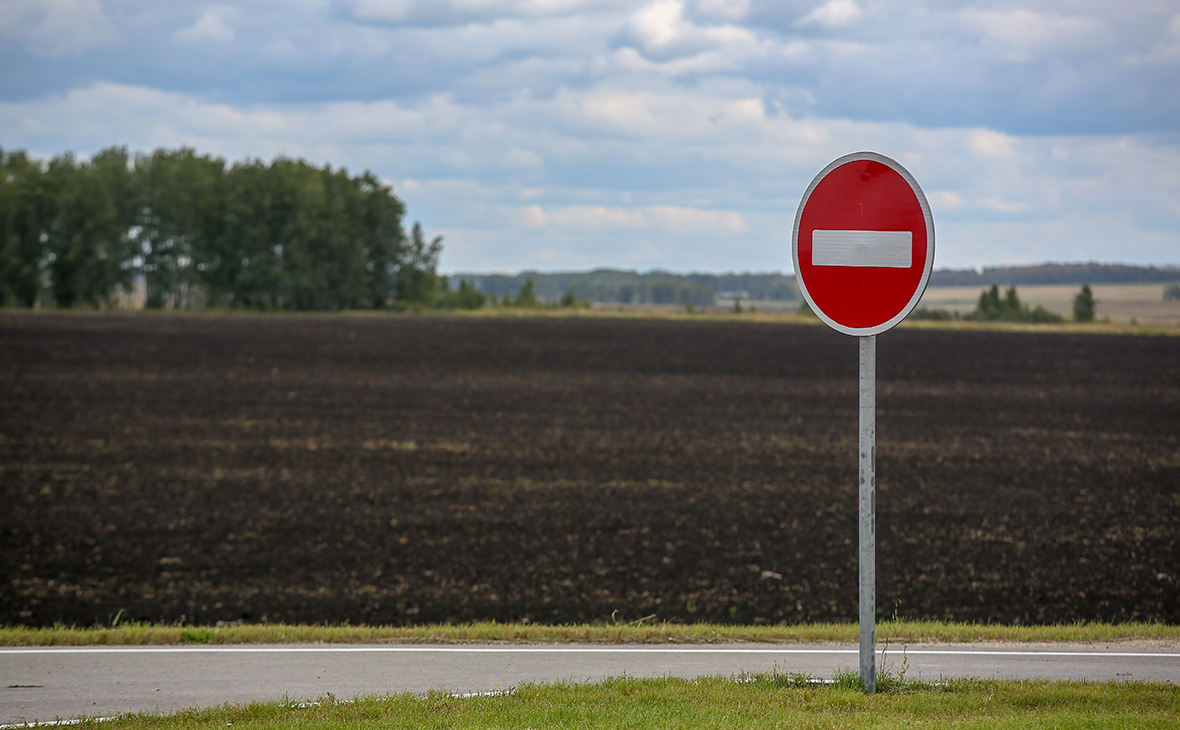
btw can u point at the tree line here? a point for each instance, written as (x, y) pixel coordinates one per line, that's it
(1054, 273)
(632, 287)
(194, 231)
(992, 307)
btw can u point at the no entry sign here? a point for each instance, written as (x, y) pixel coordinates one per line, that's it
(863, 244)
(863, 247)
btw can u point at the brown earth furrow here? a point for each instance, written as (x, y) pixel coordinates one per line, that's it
(394, 469)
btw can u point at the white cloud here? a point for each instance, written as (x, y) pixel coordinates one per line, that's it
(832, 15)
(723, 9)
(106, 114)
(660, 29)
(211, 27)
(380, 11)
(660, 23)
(586, 217)
(1002, 206)
(444, 12)
(944, 200)
(548, 132)
(697, 221)
(678, 219)
(1075, 237)
(1026, 33)
(1166, 49)
(990, 143)
(668, 115)
(517, 157)
(56, 28)
(560, 259)
(573, 173)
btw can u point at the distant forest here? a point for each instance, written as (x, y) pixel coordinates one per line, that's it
(631, 287)
(183, 230)
(195, 232)
(662, 287)
(1051, 273)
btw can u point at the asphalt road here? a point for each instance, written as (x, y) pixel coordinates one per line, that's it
(38, 684)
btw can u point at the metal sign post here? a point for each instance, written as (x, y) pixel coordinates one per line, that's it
(868, 512)
(863, 248)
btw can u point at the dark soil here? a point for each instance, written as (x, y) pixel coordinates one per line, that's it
(398, 469)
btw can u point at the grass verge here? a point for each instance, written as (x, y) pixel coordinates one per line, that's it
(715, 314)
(638, 632)
(762, 701)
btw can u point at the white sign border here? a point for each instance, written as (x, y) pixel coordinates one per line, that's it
(896, 166)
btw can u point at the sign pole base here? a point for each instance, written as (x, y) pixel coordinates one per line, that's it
(868, 513)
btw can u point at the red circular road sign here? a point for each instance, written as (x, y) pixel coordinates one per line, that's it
(863, 244)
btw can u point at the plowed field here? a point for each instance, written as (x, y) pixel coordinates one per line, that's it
(397, 469)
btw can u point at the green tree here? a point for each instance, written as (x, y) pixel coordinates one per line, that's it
(300, 237)
(1172, 293)
(668, 290)
(180, 234)
(467, 296)
(931, 314)
(1040, 315)
(88, 238)
(281, 235)
(992, 307)
(417, 279)
(383, 238)
(245, 266)
(25, 211)
(1011, 307)
(989, 307)
(1083, 305)
(325, 260)
(527, 296)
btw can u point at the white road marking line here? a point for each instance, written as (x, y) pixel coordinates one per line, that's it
(888, 249)
(1031, 653)
(50, 723)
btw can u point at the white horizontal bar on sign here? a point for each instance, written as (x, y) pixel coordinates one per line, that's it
(890, 249)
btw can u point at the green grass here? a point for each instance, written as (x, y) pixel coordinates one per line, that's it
(631, 633)
(719, 314)
(784, 316)
(762, 701)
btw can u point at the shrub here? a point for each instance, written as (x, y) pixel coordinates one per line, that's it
(933, 314)
(527, 296)
(992, 308)
(1040, 315)
(196, 636)
(1083, 305)
(467, 296)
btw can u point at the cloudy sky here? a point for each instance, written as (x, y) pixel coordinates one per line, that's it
(674, 134)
